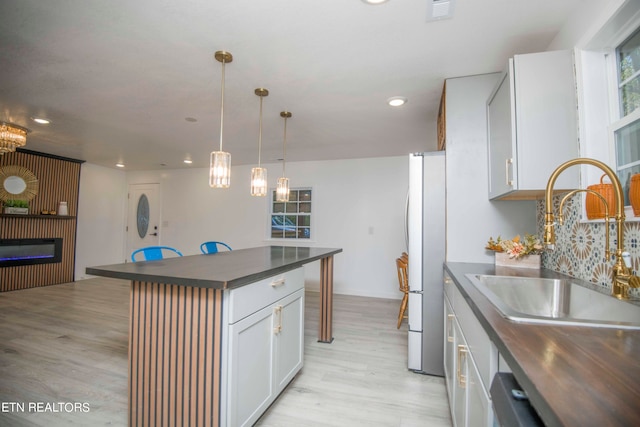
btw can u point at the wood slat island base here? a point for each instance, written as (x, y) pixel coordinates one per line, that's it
(179, 314)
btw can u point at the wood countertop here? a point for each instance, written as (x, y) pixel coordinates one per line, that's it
(574, 375)
(222, 270)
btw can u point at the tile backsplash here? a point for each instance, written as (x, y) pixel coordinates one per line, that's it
(580, 246)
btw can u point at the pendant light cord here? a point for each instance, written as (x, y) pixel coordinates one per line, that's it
(260, 135)
(284, 148)
(222, 105)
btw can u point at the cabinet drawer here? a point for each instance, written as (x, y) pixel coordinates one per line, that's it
(248, 299)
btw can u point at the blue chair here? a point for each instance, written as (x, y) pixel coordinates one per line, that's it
(152, 253)
(212, 247)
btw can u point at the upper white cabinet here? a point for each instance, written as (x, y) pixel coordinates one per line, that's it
(532, 126)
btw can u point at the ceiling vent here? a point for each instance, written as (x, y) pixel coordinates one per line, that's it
(440, 9)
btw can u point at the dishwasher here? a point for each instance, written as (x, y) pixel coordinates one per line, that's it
(511, 405)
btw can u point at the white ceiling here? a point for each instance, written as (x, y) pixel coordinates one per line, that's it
(117, 78)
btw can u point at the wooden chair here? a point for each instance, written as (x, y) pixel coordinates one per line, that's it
(403, 280)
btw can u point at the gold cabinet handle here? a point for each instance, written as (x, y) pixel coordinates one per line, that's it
(506, 171)
(277, 283)
(277, 312)
(450, 318)
(462, 354)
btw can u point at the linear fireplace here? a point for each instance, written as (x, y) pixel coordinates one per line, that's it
(30, 251)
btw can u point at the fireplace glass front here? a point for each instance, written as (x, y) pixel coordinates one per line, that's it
(30, 251)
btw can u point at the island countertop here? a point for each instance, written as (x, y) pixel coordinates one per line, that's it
(573, 375)
(222, 270)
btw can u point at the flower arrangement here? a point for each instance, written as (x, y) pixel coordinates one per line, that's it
(516, 248)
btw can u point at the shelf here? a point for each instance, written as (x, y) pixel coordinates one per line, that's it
(4, 215)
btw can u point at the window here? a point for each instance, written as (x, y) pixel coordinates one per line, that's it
(626, 131)
(292, 219)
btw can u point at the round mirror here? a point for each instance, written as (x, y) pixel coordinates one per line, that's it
(14, 185)
(17, 183)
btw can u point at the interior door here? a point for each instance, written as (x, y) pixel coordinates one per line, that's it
(143, 216)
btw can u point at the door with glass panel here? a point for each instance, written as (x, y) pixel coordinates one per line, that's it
(143, 216)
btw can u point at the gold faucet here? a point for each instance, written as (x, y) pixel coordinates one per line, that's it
(623, 277)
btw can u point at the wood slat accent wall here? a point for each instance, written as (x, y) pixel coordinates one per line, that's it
(58, 180)
(174, 370)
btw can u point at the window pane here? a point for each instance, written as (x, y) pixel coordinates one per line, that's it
(305, 207)
(630, 96)
(305, 195)
(293, 195)
(277, 226)
(291, 220)
(303, 233)
(628, 66)
(625, 178)
(278, 208)
(292, 207)
(304, 220)
(628, 144)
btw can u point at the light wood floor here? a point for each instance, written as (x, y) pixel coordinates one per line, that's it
(67, 344)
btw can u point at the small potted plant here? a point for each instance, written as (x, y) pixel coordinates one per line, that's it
(16, 207)
(517, 252)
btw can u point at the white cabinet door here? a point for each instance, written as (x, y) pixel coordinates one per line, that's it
(501, 127)
(449, 348)
(289, 338)
(251, 386)
(479, 410)
(265, 348)
(532, 125)
(459, 405)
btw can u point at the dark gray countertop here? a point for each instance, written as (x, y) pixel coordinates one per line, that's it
(222, 270)
(573, 375)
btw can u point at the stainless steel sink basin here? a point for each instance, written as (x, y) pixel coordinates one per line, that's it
(555, 301)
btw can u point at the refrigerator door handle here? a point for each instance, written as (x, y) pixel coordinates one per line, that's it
(416, 292)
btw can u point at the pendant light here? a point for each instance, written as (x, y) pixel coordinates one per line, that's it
(11, 137)
(259, 174)
(220, 162)
(282, 190)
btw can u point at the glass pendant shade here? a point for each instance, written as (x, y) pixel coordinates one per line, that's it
(258, 181)
(259, 174)
(220, 169)
(282, 190)
(11, 137)
(220, 161)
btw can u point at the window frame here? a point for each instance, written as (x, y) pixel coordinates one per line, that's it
(616, 109)
(310, 214)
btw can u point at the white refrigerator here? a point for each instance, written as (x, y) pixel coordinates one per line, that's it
(426, 247)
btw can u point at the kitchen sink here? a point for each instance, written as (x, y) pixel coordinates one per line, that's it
(555, 301)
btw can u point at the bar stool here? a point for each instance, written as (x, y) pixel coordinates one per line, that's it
(152, 253)
(403, 281)
(212, 247)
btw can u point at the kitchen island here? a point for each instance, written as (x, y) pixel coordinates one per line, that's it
(215, 338)
(573, 375)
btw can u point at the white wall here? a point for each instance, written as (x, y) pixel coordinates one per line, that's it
(358, 205)
(471, 217)
(101, 217)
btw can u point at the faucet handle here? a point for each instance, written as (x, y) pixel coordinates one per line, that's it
(626, 257)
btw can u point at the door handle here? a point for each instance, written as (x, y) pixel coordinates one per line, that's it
(152, 234)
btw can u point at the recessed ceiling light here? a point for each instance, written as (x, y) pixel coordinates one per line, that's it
(188, 161)
(397, 101)
(120, 165)
(374, 2)
(41, 120)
